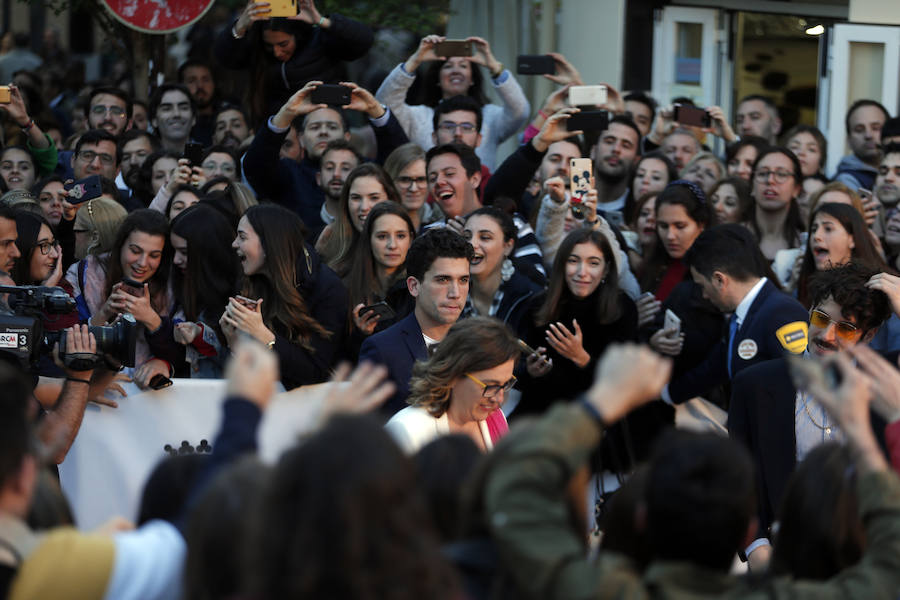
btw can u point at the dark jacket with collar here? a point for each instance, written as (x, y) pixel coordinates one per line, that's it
(761, 417)
(398, 348)
(762, 332)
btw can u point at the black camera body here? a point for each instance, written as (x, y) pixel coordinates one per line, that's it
(22, 334)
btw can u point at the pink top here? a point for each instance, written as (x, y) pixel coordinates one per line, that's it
(497, 425)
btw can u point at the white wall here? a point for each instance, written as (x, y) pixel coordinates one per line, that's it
(592, 36)
(883, 12)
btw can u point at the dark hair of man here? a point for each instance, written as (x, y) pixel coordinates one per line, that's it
(892, 148)
(337, 109)
(193, 62)
(228, 106)
(793, 223)
(15, 431)
(770, 104)
(846, 285)
(133, 134)
(470, 161)
(644, 99)
(223, 150)
(864, 251)
(607, 304)
(95, 136)
(891, 128)
(628, 122)
(730, 249)
(861, 104)
(443, 468)
(466, 103)
(8, 212)
(820, 531)
(112, 91)
(341, 144)
(817, 134)
(433, 92)
(630, 209)
(731, 150)
(213, 268)
(657, 260)
(156, 98)
(432, 245)
(108, 187)
(700, 499)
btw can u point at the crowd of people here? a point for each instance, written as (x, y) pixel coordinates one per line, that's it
(509, 367)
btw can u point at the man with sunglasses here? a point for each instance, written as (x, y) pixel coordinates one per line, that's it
(780, 424)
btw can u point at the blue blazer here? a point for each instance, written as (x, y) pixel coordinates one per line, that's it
(769, 312)
(398, 348)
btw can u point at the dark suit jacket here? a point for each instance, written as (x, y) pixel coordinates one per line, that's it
(398, 348)
(761, 417)
(770, 310)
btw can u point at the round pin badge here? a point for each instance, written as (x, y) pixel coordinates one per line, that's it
(747, 349)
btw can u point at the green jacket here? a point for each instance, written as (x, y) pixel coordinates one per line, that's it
(45, 158)
(528, 519)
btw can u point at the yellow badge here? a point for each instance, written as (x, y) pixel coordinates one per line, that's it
(793, 336)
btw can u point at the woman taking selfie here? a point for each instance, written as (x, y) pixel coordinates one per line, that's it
(205, 275)
(581, 313)
(290, 301)
(460, 388)
(133, 277)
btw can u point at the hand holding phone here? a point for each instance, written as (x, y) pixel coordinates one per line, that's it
(5, 94)
(535, 64)
(132, 287)
(331, 94)
(380, 309)
(691, 116)
(248, 302)
(449, 48)
(159, 381)
(672, 322)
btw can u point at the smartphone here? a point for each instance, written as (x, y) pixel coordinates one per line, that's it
(691, 115)
(529, 351)
(283, 8)
(194, 153)
(159, 381)
(588, 120)
(330, 93)
(248, 302)
(587, 95)
(132, 287)
(581, 178)
(672, 321)
(535, 64)
(382, 309)
(84, 189)
(4, 94)
(449, 48)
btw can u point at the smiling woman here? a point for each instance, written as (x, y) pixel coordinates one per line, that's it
(461, 388)
(17, 168)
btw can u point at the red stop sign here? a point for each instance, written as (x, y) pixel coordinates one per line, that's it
(158, 16)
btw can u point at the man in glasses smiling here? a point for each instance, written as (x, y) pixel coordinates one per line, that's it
(110, 109)
(781, 424)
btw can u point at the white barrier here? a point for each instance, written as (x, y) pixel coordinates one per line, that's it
(117, 448)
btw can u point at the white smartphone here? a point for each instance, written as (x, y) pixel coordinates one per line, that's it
(587, 95)
(672, 321)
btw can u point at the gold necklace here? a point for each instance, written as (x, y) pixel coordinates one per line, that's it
(824, 428)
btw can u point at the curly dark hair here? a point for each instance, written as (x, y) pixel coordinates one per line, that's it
(342, 518)
(846, 285)
(435, 244)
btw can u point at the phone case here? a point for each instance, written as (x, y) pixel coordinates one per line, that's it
(333, 94)
(535, 64)
(588, 120)
(587, 95)
(283, 8)
(581, 177)
(4, 94)
(449, 48)
(672, 321)
(84, 189)
(691, 115)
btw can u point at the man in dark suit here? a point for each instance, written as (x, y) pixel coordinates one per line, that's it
(726, 263)
(437, 268)
(779, 425)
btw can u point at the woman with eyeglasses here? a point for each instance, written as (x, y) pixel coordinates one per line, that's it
(219, 161)
(455, 76)
(777, 181)
(461, 388)
(406, 167)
